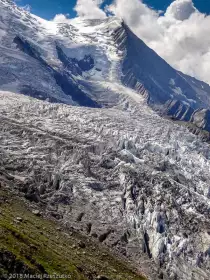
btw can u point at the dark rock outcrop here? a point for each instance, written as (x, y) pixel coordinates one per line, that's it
(201, 118)
(63, 79)
(178, 110)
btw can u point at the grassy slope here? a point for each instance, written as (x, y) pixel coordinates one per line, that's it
(42, 246)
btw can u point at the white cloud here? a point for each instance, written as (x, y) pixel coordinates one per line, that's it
(181, 36)
(90, 9)
(180, 9)
(61, 18)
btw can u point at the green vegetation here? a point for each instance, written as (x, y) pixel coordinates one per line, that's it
(44, 248)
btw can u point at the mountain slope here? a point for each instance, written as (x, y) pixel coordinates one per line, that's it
(162, 82)
(85, 62)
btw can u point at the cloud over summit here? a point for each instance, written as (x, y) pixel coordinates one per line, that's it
(90, 9)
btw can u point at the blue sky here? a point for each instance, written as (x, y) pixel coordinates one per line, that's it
(49, 8)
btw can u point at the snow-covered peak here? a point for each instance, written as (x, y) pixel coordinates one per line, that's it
(89, 60)
(110, 22)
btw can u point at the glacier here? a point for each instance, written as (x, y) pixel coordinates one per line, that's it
(86, 136)
(128, 178)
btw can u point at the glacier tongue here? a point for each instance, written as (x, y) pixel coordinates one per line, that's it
(139, 182)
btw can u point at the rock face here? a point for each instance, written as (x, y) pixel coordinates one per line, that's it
(201, 118)
(178, 110)
(129, 179)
